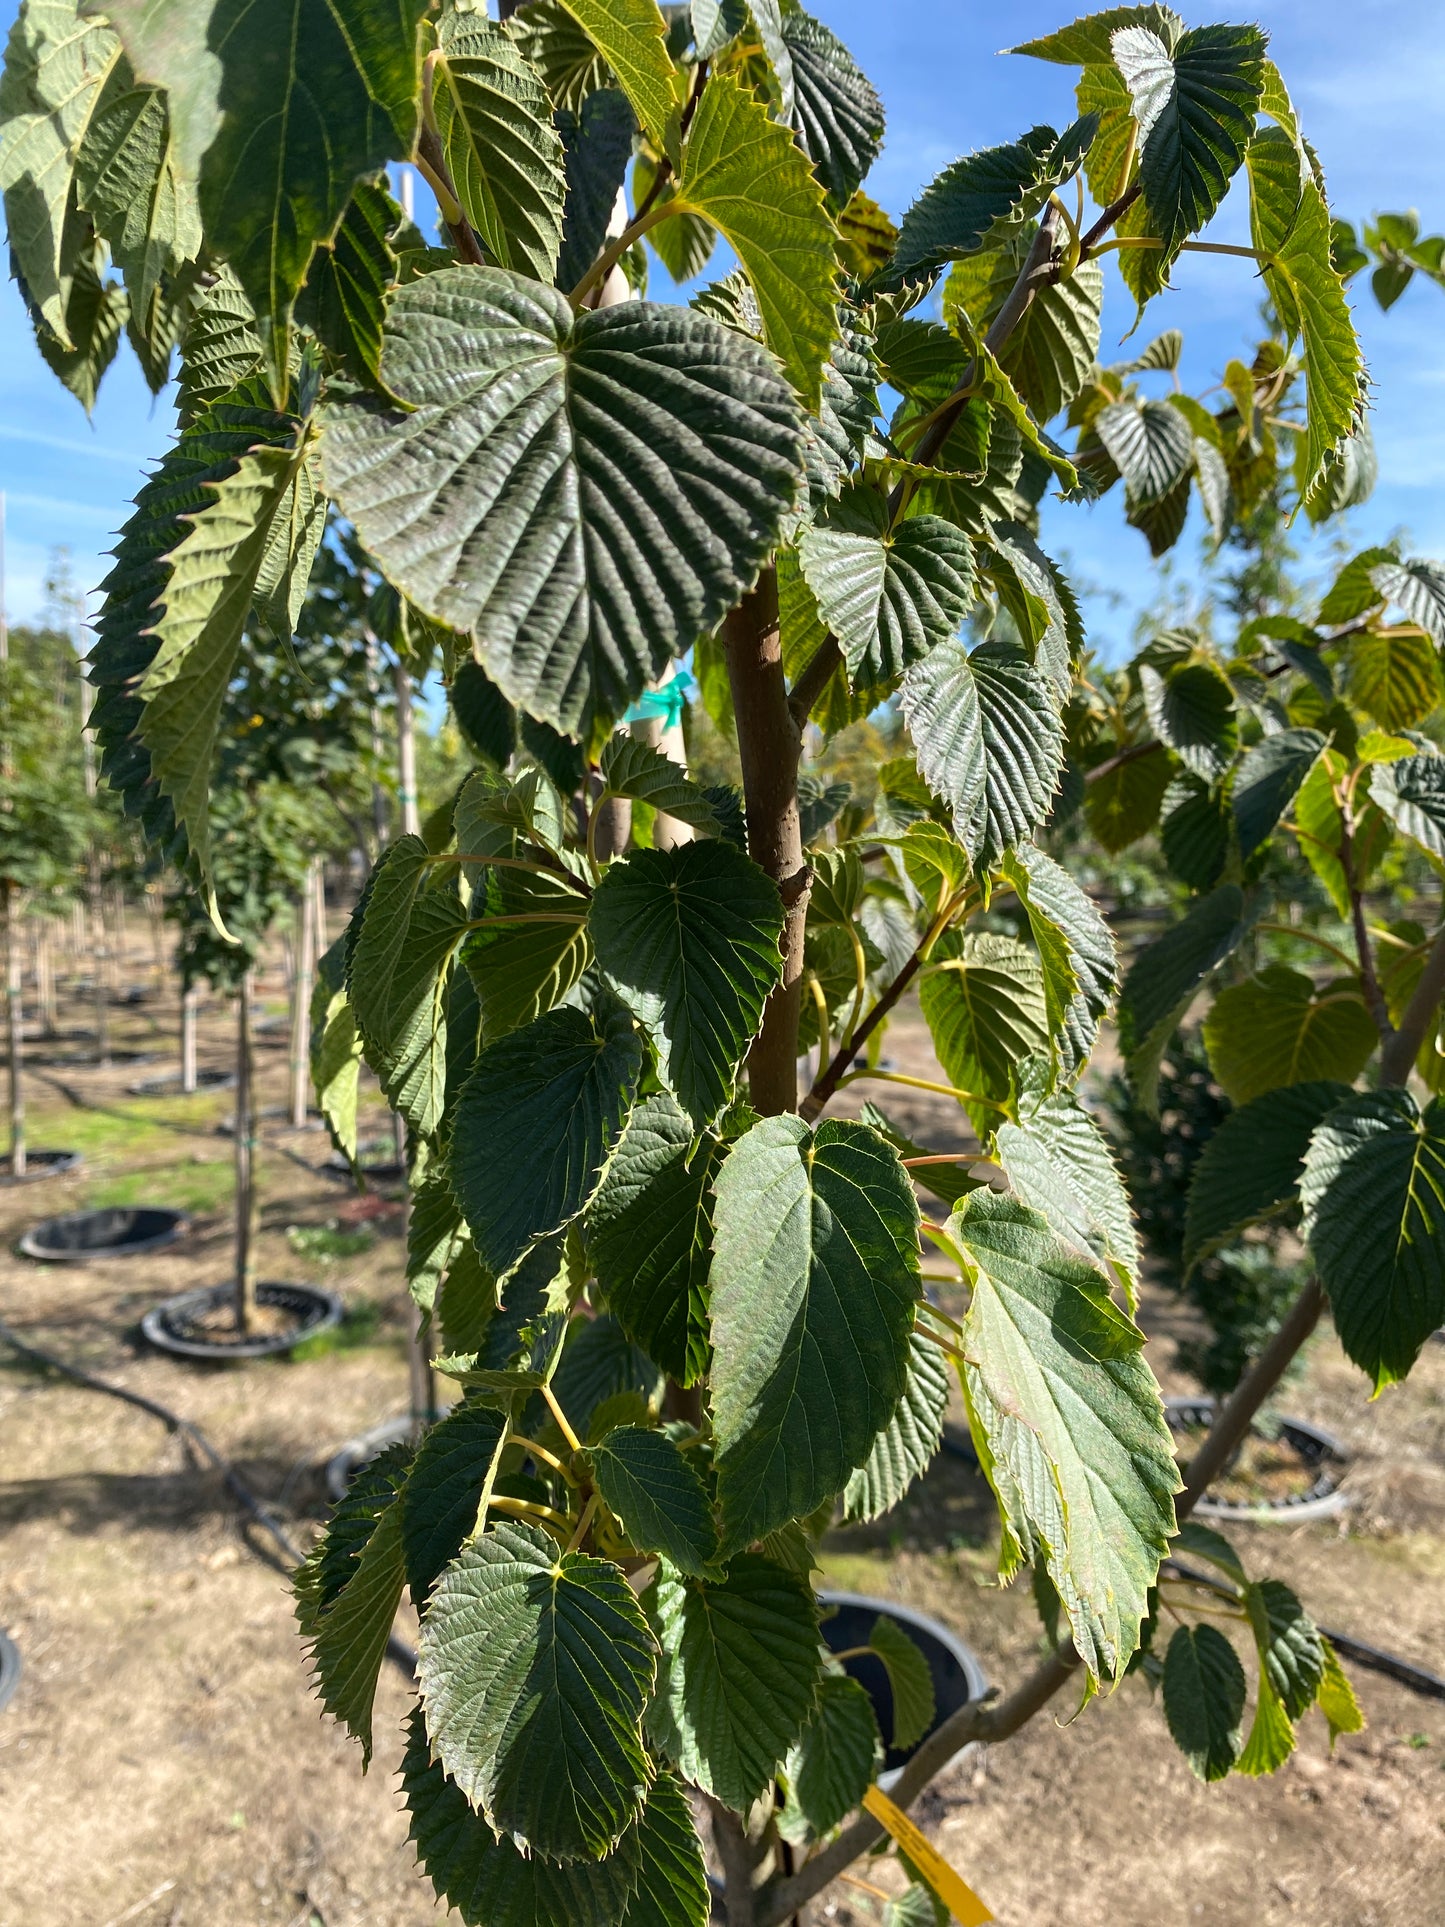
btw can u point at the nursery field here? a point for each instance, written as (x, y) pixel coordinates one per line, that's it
(163, 1760)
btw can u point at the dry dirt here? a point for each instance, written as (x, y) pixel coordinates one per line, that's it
(164, 1762)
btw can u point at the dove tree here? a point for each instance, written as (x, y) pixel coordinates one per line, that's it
(684, 1302)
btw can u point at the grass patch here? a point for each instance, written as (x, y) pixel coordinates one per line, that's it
(326, 1243)
(360, 1328)
(194, 1188)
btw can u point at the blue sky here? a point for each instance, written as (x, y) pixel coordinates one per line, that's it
(1367, 79)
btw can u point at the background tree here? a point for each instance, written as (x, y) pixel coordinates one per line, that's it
(685, 1306)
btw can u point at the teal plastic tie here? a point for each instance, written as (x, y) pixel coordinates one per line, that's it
(667, 702)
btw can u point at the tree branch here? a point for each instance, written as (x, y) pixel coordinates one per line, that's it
(1403, 1047)
(735, 1853)
(1112, 213)
(432, 163)
(1000, 1719)
(1135, 753)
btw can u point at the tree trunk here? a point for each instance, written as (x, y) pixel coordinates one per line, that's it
(247, 1202)
(418, 1351)
(190, 997)
(156, 918)
(770, 744)
(95, 920)
(45, 975)
(611, 832)
(301, 1003)
(323, 941)
(14, 1017)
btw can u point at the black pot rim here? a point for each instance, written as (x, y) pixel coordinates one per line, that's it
(29, 1247)
(164, 1083)
(53, 1164)
(1318, 1449)
(912, 1620)
(11, 1667)
(344, 1464)
(164, 1326)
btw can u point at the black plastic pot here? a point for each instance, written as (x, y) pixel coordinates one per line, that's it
(168, 1084)
(378, 1164)
(1318, 1451)
(11, 1668)
(123, 1231)
(42, 1164)
(957, 1675)
(175, 1326)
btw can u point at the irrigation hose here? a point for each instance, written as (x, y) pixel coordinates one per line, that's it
(1417, 1678)
(256, 1509)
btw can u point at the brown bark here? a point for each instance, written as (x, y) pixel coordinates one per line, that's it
(247, 1201)
(770, 743)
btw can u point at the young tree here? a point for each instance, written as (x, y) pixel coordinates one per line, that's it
(686, 1304)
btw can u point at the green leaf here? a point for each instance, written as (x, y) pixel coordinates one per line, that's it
(814, 1281)
(128, 181)
(1206, 1543)
(1087, 42)
(1050, 353)
(1373, 1192)
(434, 1239)
(688, 938)
(535, 1667)
(56, 73)
(836, 113)
(832, 1763)
(449, 1483)
(656, 1496)
(909, 1680)
(1305, 277)
(332, 1562)
(1289, 1644)
(1075, 946)
(597, 139)
(1251, 1166)
(1337, 1697)
(212, 575)
(1394, 676)
(344, 297)
(398, 979)
(1271, 1736)
(889, 598)
(96, 310)
(905, 1448)
(1192, 710)
(627, 406)
(1195, 103)
(1059, 1162)
(1267, 781)
(1151, 446)
(743, 172)
(489, 1880)
(503, 153)
(1412, 795)
(348, 1638)
(335, 1052)
(632, 38)
(1204, 1690)
(649, 1230)
(1353, 592)
(672, 1889)
(985, 1010)
(1068, 1423)
(1122, 800)
(633, 768)
(1169, 973)
(291, 547)
(738, 1677)
(1320, 829)
(982, 199)
(522, 970)
(536, 1123)
(600, 1364)
(989, 741)
(1194, 831)
(274, 177)
(1417, 589)
(222, 348)
(1279, 1028)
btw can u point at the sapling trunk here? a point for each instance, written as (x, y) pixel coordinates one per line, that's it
(15, 1043)
(418, 1351)
(190, 997)
(770, 745)
(247, 1201)
(301, 1002)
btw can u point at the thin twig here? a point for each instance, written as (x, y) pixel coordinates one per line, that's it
(1375, 1002)
(1403, 1048)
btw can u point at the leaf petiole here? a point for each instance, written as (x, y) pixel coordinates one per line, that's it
(561, 1417)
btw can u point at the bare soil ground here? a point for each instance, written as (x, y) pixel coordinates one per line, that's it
(164, 1762)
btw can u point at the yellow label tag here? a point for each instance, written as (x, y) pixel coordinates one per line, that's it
(959, 1898)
